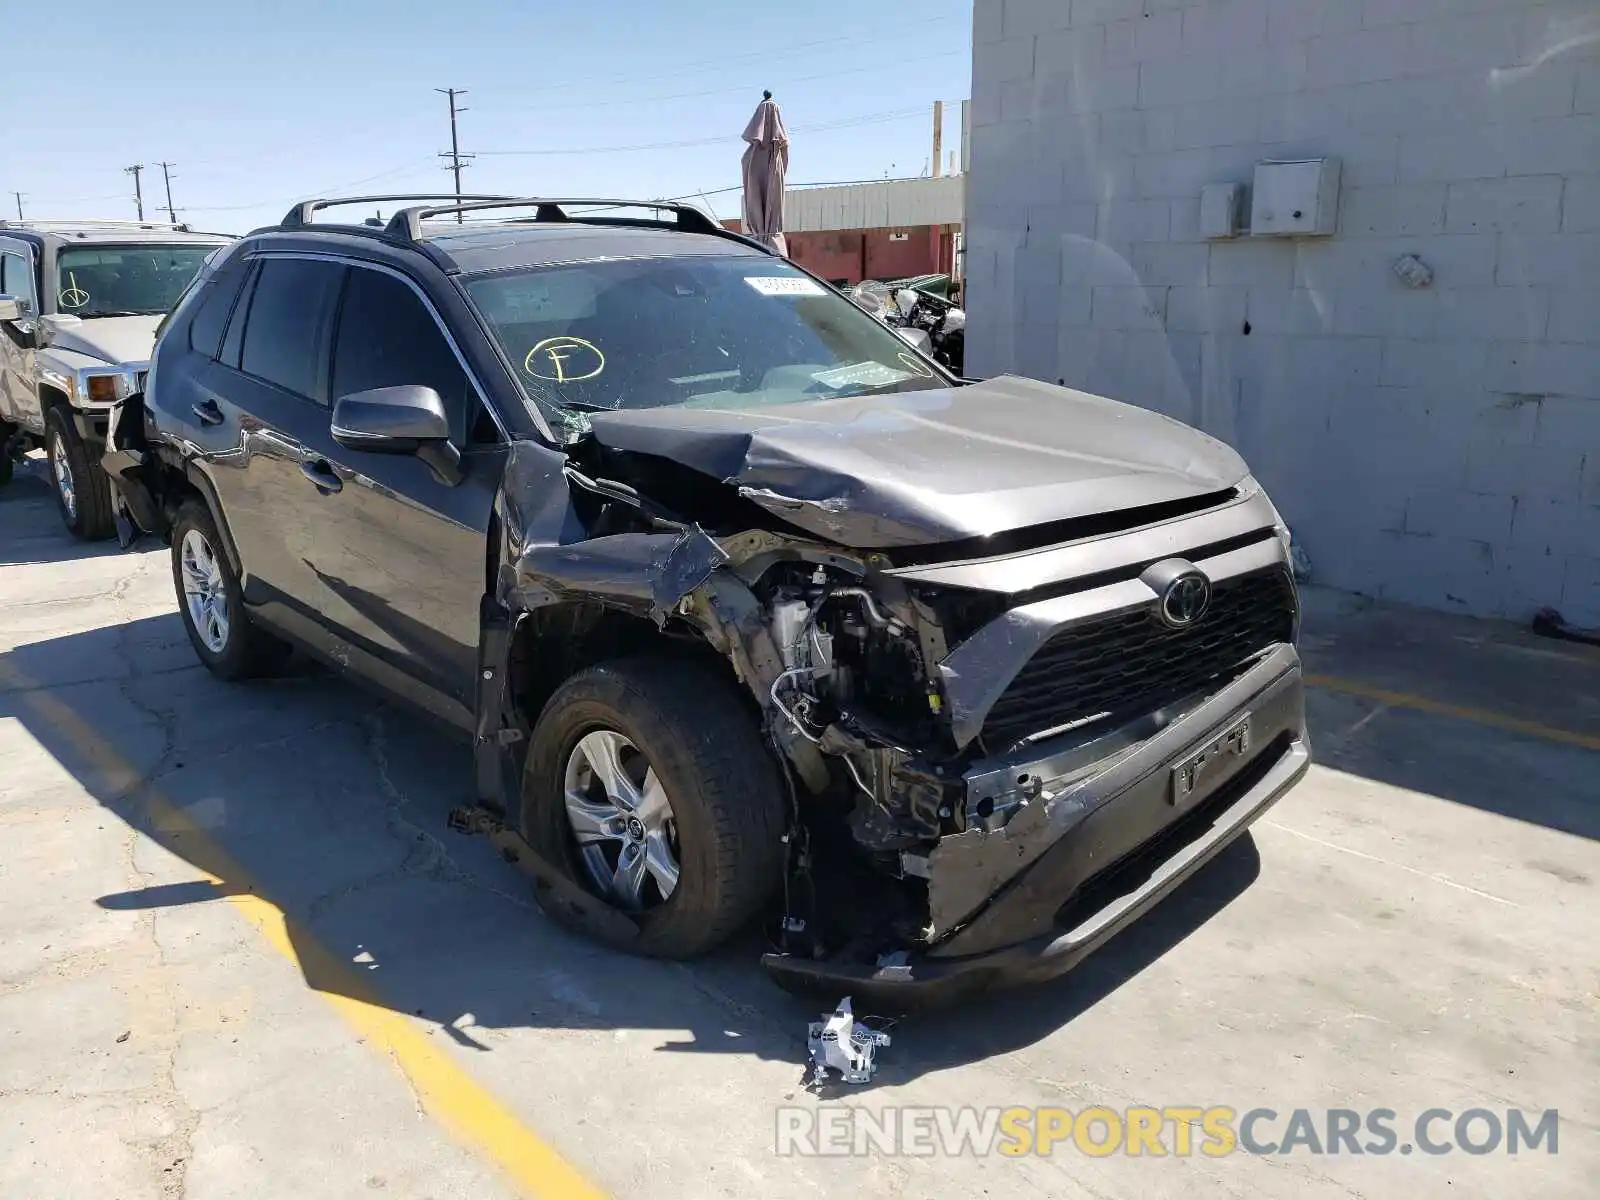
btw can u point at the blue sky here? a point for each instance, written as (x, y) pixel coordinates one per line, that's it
(260, 105)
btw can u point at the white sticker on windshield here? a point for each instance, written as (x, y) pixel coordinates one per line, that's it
(784, 285)
(861, 374)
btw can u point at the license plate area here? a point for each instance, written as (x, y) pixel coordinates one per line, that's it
(1211, 762)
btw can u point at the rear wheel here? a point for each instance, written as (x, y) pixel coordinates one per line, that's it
(209, 600)
(83, 493)
(648, 785)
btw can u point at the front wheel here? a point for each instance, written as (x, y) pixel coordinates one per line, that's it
(648, 785)
(209, 600)
(83, 493)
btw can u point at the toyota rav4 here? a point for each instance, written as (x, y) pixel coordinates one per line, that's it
(747, 606)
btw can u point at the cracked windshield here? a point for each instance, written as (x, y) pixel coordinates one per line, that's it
(701, 332)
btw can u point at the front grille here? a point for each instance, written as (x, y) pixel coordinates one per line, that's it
(1129, 663)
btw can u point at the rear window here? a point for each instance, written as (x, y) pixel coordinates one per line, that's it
(212, 308)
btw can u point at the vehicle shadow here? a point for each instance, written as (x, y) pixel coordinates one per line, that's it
(35, 533)
(312, 795)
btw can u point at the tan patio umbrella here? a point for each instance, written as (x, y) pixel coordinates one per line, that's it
(766, 163)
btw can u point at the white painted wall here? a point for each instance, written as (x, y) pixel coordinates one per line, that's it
(1439, 446)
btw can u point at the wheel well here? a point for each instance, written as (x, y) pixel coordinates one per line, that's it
(50, 397)
(556, 642)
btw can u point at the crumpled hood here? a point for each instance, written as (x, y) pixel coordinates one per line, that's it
(919, 468)
(111, 339)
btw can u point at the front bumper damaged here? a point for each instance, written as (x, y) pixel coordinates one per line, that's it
(1098, 835)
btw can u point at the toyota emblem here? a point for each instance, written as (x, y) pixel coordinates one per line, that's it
(1185, 600)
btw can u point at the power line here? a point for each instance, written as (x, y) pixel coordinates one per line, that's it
(166, 178)
(821, 127)
(455, 156)
(330, 189)
(723, 61)
(138, 192)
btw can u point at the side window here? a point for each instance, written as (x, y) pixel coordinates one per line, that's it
(210, 319)
(387, 337)
(285, 333)
(16, 278)
(241, 309)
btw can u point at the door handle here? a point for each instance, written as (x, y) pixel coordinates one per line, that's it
(322, 476)
(207, 412)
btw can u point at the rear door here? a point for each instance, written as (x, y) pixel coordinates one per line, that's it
(257, 413)
(399, 557)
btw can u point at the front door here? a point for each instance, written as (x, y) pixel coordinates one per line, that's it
(401, 563)
(19, 396)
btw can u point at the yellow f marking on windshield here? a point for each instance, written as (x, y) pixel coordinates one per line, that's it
(564, 359)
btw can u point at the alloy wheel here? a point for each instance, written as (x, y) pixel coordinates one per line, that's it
(622, 821)
(61, 468)
(204, 591)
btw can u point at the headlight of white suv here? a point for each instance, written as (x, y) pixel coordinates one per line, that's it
(105, 385)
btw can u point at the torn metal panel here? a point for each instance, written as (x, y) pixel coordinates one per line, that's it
(976, 673)
(943, 464)
(686, 564)
(534, 506)
(551, 557)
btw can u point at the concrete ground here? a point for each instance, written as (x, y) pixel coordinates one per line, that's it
(244, 958)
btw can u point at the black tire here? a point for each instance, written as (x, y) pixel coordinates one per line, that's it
(246, 651)
(8, 465)
(89, 515)
(723, 787)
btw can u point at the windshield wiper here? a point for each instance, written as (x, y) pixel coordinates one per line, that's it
(119, 312)
(584, 406)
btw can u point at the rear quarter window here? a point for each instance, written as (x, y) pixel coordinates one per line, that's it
(212, 308)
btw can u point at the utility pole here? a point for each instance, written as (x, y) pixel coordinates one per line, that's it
(138, 192)
(19, 196)
(166, 178)
(938, 135)
(455, 156)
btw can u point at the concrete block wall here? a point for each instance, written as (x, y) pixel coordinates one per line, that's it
(1438, 445)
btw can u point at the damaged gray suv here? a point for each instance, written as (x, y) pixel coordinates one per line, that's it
(749, 608)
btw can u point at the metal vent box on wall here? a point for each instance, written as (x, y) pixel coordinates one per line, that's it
(1297, 198)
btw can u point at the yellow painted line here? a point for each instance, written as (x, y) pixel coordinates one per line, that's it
(1479, 716)
(447, 1093)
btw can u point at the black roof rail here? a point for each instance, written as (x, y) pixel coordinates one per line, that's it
(407, 223)
(301, 214)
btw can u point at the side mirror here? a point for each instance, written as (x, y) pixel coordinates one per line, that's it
(408, 419)
(13, 309)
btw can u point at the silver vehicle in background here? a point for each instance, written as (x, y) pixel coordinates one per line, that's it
(80, 304)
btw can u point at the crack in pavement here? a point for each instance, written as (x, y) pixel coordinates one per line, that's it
(171, 1153)
(426, 856)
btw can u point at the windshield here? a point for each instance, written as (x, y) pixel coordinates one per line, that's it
(705, 332)
(125, 281)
